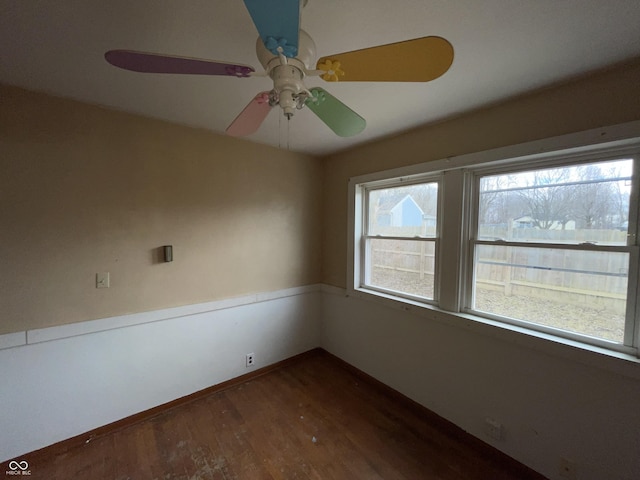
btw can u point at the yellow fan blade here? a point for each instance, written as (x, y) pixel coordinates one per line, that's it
(418, 60)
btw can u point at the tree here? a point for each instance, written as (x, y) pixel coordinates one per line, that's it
(620, 196)
(548, 203)
(593, 200)
(426, 195)
(498, 204)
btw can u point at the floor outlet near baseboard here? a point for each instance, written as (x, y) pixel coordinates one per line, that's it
(250, 359)
(567, 469)
(493, 429)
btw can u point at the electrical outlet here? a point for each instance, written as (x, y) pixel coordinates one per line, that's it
(251, 359)
(493, 429)
(567, 469)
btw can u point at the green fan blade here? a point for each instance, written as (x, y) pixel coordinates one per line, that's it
(336, 115)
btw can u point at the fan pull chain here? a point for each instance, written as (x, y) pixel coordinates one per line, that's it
(282, 132)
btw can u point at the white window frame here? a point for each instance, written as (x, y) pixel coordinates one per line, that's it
(456, 226)
(365, 237)
(631, 247)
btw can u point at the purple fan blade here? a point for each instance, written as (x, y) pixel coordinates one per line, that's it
(154, 63)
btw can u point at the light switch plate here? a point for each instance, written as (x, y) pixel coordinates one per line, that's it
(102, 280)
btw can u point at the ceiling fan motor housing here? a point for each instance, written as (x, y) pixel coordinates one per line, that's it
(287, 82)
(306, 52)
(288, 77)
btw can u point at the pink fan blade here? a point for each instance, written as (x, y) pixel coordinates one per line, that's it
(154, 63)
(251, 117)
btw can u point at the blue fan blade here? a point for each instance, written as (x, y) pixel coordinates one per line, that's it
(277, 22)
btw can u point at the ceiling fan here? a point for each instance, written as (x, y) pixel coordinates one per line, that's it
(287, 53)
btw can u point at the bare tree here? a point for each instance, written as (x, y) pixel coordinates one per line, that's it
(499, 202)
(595, 196)
(490, 196)
(548, 203)
(619, 208)
(426, 196)
(593, 199)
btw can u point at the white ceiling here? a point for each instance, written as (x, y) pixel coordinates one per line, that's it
(502, 48)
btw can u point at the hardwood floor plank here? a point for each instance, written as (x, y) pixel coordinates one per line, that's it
(313, 419)
(375, 433)
(312, 423)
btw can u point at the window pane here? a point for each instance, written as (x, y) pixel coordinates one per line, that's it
(575, 290)
(405, 266)
(406, 211)
(574, 204)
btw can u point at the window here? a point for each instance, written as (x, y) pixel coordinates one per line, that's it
(400, 239)
(550, 247)
(545, 242)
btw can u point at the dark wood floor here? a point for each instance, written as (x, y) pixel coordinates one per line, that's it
(313, 419)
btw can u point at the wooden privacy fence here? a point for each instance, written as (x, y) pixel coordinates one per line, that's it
(404, 256)
(586, 278)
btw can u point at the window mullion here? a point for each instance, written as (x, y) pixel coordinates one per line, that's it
(450, 247)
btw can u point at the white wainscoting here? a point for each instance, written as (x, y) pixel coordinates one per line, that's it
(59, 382)
(553, 400)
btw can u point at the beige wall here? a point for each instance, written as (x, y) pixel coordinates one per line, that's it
(86, 190)
(606, 98)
